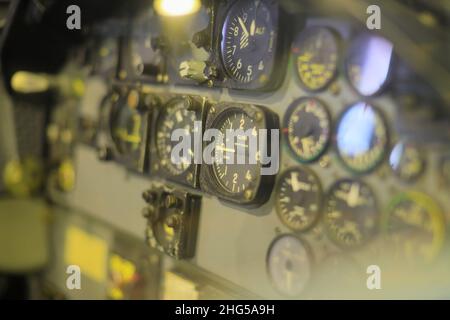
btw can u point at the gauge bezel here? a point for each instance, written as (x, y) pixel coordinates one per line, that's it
(297, 42)
(428, 203)
(311, 262)
(291, 108)
(280, 180)
(208, 182)
(377, 215)
(190, 177)
(389, 77)
(220, 12)
(110, 104)
(386, 148)
(422, 159)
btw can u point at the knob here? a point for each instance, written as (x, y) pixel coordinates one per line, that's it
(199, 71)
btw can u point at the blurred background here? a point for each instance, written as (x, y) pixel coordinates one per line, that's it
(90, 92)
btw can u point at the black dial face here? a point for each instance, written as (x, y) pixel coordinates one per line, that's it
(307, 128)
(416, 226)
(289, 265)
(175, 116)
(362, 137)
(351, 214)
(127, 127)
(406, 161)
(249, 39)
(316, 53)
(298, 198)
(368, 63)
(237, 177)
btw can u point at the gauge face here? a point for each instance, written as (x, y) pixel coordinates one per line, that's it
(362, 137)
(298, 198)
(316, 53)
(350, 213)
(406, 161)
(307, 128)
(249, 39)
(236, 177)
(416, 226)
(127, 129)
(289, 265)
(368, 63)
(174, 116)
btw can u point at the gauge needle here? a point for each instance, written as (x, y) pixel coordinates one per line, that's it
(244, 28)
(298, 185)
(252, 28)
(220, 148)
(244, 37)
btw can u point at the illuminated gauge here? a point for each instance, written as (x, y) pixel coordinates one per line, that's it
(175, 116)
(307, 126)
(416, 226)
(316, 54)
(289, 265)
(406, 161)
(368, 63)
(236, 177)
(351, 213)
(249, 39)
(445, 169)
(127, 128)
(362, 137)
(244, 163)
(298, 198)
(145, 61)
(107, 57)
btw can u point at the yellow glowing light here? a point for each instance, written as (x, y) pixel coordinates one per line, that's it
(176, 7)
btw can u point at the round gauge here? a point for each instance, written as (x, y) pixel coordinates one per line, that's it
(350, 213)
(298, 198)
(174, 116)
(406, 161)
(416, 226)
(235, 177)
(368, 63)
(316, 53)
(127, 129)
(307, 126)
(249, 39)
(289, 265)
(362, 137)
(445, 169)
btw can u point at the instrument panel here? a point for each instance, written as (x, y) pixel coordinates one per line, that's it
(273, 148)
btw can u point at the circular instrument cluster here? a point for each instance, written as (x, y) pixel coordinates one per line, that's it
(289, 265)
(316, 56)
(351, 213)
(361, 137)
(126, 124)
(235, 174)
(249, 40)
(307, 126)
(175, 115)
(298, 198)
(415, 225)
